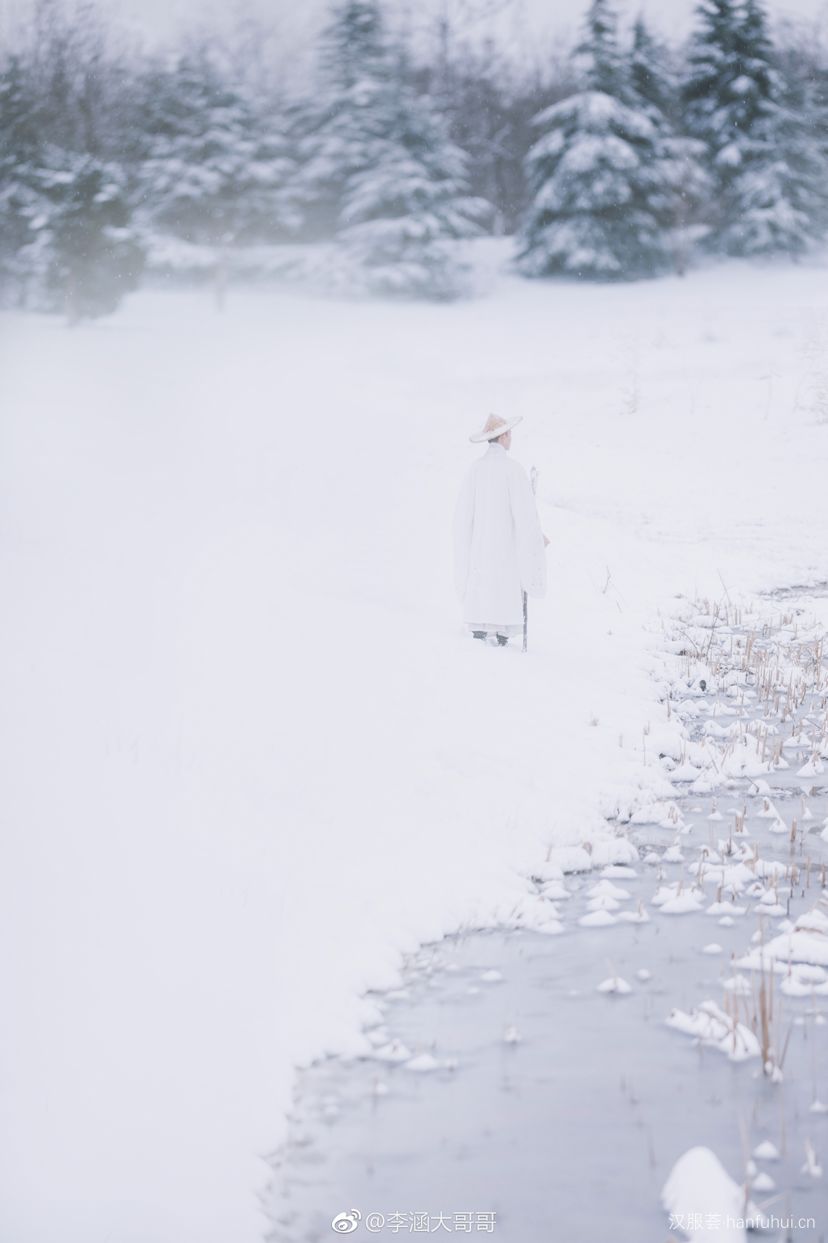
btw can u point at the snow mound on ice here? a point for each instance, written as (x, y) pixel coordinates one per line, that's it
(713, 1026)
(614, 985)
(703, 1200)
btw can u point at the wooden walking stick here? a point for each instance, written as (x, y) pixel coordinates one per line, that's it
(533, 477)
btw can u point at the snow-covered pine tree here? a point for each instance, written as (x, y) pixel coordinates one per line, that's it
(215, 171)
(336, 127)
(478, 91)
(768, 170)
(90, 256)
(400, 219)
(652, 76)
(21, 202)
(380, 156)
(66, 242)
(713, 66)
(654, 81)
(778, 189)
(601, 182)
(805, 142)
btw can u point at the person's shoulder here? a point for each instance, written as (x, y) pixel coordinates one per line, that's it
(518, 471)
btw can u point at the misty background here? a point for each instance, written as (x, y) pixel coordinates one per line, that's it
(361, 148)
(525, 20)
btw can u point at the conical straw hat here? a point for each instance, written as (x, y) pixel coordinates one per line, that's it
(495, 426)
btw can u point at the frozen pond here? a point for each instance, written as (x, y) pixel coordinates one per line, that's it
(510, 1095)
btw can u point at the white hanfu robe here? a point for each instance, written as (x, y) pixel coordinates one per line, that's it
(499, 549)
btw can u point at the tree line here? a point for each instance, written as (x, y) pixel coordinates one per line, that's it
(626, 158)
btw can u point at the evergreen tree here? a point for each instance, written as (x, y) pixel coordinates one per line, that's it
(781, 188)
(89, 255)
(65, 236)
(778, 188)
(399, 218)
(380, 158)
(20, 199)
(337, 128)
(769, 174)
(710, 101)
(651, 77)
(214, 171)
(602, 182)
(654, 84)
(805, 131)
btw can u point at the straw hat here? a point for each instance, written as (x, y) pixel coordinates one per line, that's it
(495, 426)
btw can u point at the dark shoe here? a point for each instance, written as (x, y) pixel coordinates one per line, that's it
(479, 634)
(502, 640)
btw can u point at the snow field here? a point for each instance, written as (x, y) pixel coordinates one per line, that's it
(252, 758)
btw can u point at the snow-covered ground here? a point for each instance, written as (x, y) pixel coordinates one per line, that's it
(247, 754)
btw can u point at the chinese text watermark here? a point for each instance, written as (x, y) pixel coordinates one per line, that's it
(413, 1223)
(692, 1223)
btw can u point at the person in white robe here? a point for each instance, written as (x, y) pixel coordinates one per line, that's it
(499, 547)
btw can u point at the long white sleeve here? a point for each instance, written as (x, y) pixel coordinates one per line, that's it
(463, 529)
(531, 549)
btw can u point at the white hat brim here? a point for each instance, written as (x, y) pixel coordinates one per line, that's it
(480, 437)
